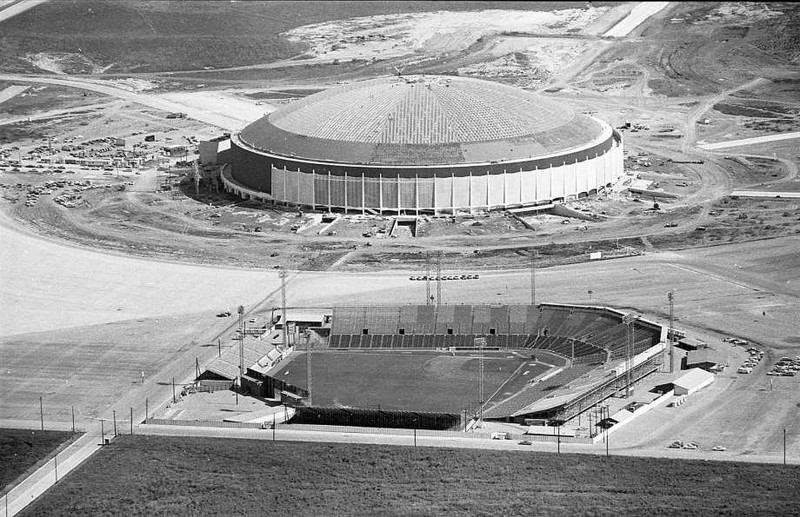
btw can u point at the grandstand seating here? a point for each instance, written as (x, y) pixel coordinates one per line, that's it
(594, 334)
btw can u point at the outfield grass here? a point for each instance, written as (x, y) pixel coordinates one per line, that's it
(20, 449)
(138, 475)
(419, 381)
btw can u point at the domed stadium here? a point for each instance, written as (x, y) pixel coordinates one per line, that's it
(422, 144)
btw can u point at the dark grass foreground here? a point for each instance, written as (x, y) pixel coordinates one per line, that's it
(20, 449)
(207, 476)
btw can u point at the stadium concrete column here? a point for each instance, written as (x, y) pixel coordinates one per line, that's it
(505, 188)
(380, 193)
(416, 192)
(298, 200)
(453, 193)
(313, 190)
(329, 190)
(488, 190)
(284, 185)
(346, 201)
(469, 192)
(363, 190)
(398, 194)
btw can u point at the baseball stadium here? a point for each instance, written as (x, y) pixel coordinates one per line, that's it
(509, 363)
(422, 144)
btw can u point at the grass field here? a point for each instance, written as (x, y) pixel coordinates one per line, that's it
(20, 449)
(172, 35)
(139, 475)
(420, 381)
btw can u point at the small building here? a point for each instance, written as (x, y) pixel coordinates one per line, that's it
(693, 380)
(688, 343)
(705, 358)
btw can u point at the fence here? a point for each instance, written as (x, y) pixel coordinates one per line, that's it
(204, 423)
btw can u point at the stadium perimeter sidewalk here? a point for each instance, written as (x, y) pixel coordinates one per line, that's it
(46, 476)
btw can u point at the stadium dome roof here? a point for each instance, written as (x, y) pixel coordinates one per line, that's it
(422, 120)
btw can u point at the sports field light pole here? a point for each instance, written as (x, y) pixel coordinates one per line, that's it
(671, 298)
(415, 431)
(114, 415)
(41, 412)
(73, 418)
(784, 446)
(607, 410)
(534, 254)
(240, 310)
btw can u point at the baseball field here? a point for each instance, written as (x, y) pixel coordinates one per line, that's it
(414, 381)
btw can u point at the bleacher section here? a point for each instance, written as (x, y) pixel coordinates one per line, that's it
(585, 334)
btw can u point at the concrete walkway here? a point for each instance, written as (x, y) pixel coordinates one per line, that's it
(46, 476)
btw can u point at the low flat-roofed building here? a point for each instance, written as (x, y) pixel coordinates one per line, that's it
(692, 381)
(705, 358)
(688, 343)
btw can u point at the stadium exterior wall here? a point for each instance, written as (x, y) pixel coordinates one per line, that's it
(259, 175)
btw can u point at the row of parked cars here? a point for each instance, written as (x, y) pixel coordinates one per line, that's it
(677, 444)
(755, 357)
(447, 277)
(786, 367)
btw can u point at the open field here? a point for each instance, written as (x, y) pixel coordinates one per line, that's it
(413, 381)
(22, 449)
(115, 38)
(139, 475)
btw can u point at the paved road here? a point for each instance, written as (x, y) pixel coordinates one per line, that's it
(637, 16)
(9, 9)
(750, 141)
(466, 441)
(229, 122)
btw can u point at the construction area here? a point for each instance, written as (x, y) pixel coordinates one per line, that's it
(140, 294)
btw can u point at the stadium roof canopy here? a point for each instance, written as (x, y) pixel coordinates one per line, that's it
(422, 120)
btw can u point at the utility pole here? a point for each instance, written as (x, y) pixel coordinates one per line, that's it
(240, 310)
(427, 278)
(308, 363)
(670, 336)
(439, 279)
(629, 320)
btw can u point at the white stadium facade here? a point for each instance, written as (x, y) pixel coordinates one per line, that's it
(422, 144)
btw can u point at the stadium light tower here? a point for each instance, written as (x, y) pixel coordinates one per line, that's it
(307, 335)
(240, 310)
(427, 278)
(670, 335)
(534, 255)
(439, 279)
(629, 320)
(283, 310)
(480, 344)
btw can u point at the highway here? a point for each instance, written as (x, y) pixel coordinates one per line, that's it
(228, 122)
(750, 141)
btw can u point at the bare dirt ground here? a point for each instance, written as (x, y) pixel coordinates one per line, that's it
(71, 316)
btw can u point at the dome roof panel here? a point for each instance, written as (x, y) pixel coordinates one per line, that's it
(370, 117)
